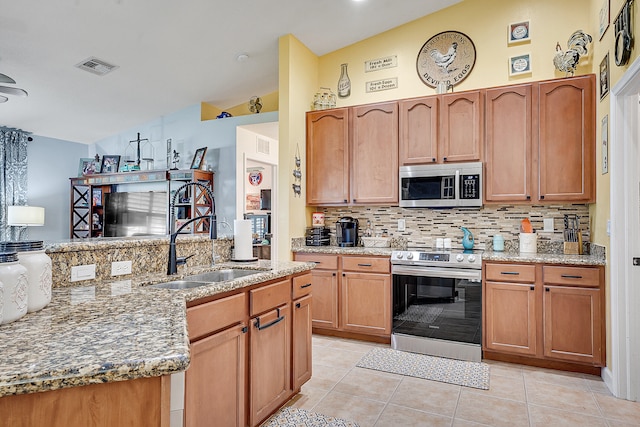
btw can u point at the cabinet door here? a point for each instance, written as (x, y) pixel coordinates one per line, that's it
(567, 139)
(366, 303)
(218, 359)
(418, 130)
(325, 299)
(328, 157)
(572, 324)
(374, 154)
(508, 144)
(301, 336)
(510, 317)
(270, 362)
(461, 127)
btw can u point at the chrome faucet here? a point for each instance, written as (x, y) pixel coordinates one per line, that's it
(174, 261)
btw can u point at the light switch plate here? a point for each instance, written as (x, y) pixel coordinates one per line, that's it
(401, 225)
(548, 225)
(119, 268)
(83, 272)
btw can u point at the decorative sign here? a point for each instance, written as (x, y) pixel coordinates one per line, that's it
(448, 56)
(519, 32)
(519, 64)
(384, 84)
(380, 63)
(255, 178)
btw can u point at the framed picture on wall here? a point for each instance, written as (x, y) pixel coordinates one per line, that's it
(198, 158)
(520, 64)
(88, 166)
(604, 76)
(519, 32)
(605, 17)
(110, 163)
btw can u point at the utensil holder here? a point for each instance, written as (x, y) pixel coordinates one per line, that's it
(571, 248)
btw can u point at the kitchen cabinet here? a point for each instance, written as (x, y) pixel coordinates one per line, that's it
(566, 134)
(270, 349)
(546, 315)
(352, 155)
(351, 295)
(441, 128)
(509, 144)
(301, 331)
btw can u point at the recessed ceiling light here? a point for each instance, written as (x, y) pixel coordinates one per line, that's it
(242, 57)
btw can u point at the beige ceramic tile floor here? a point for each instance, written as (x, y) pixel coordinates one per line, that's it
(518, 396)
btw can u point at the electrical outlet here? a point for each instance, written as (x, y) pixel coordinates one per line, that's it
(401, 225)
(83, 272)
(118, 268)
(548, 225)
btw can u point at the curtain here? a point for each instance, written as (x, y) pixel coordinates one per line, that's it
(13, 177)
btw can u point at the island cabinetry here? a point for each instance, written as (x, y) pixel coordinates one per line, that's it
(352, 295)
(215, 381)
(441, 128)
(352, 155)
(509, 139)
(566, 134)
(270, 357)
(546, 315)
(301, 330)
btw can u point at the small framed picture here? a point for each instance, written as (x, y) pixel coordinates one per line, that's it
(519, 32)
(520, 64)
(605, 17)
(110, 163)
(605, 144)
(604, 76)
(198, 158)
(88, 166)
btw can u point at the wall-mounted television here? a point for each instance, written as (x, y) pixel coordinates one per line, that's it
(135, 214)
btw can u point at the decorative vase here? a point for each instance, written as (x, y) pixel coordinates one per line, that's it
(467, 239)
(344, 83)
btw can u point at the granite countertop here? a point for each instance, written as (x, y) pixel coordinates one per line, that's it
(339, 250)
(546, 258)
(113, 331)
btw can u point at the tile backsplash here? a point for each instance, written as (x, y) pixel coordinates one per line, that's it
(423, 226)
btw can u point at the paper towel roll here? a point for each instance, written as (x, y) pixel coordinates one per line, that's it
(242, 240)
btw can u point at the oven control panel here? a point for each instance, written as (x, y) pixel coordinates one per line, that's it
(461, 259)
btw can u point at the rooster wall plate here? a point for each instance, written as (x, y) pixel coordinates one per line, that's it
(446, 57)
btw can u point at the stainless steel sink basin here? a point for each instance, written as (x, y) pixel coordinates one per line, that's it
(179, 284)
(222, 275)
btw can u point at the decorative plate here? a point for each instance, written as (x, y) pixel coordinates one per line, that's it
(448, 56)
(255, 178)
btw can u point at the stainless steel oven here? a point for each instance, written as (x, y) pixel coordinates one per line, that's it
(437, 303)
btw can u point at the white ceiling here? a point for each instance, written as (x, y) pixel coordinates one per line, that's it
(171, 54)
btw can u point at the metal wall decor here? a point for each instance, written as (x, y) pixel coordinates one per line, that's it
(624, 37)
(297, 174)
(448, 57)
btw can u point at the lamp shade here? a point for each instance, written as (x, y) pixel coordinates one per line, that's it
(25, 215)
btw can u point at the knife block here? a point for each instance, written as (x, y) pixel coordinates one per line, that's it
(571, 248)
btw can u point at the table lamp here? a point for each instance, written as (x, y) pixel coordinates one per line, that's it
(25, 216)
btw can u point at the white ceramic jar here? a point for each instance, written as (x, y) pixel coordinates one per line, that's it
(14, 277)
(31, 255)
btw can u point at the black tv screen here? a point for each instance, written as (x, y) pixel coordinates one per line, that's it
(135, 214)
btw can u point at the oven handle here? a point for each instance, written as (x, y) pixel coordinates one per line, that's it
(445, 273)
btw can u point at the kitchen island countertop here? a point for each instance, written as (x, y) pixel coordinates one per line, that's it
(339, 250)
(112, 331)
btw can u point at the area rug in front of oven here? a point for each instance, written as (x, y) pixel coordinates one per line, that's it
(296, 417)
(460, 372)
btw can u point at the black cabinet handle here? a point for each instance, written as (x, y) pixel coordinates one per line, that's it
(345, 200)
(354, 200)
(547, 289)
(343, 275)
(528, 197)
(444, 159)
(512, 273)
(570, 276)
(334, 274)
(532, 288)
(270, 324)
(433, 159)
(245, 330)
(297, 305)
(305, 286)
(541, 197)
(365, 265)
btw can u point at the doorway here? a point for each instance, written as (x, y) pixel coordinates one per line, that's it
(623, 377)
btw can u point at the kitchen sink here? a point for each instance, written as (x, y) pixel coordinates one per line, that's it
(202, 279)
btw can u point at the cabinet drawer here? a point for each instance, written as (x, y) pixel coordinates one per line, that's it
(301, 286)
(366, 264)
(510, 272)
(270, 296)
(215, 315)
(572, 276)
(325, 262)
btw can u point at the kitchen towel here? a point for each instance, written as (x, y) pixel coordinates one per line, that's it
(242, 240)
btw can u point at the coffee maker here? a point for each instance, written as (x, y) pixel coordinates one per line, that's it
(347, 232)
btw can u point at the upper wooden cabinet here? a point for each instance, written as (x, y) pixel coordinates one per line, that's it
(352, 155)
(509, 151)
(442, 128)
(540, 142)
(328, 157)
(567, 126)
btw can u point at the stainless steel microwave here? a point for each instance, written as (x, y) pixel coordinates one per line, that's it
(441, 186)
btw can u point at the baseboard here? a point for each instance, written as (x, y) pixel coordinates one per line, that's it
(607, 377)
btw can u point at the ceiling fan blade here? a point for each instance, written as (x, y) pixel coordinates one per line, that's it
(3, 99)
(6, 79)
(13, 91)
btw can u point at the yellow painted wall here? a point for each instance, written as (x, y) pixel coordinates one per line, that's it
(298, 80)
(269, 103)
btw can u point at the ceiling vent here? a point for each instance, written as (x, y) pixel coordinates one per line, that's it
(96, 66)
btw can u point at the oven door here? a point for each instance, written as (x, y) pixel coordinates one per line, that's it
(438, 303)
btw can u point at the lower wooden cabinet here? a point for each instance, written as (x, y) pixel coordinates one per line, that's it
(366, 303)
(544, 312)
(325, 299)
(215, 380)
(301, 335)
